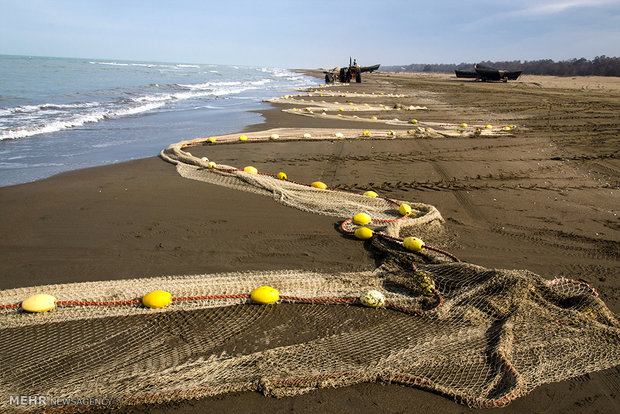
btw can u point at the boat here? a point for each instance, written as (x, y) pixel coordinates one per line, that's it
(487, 73)
(369, 69)
(466, 74)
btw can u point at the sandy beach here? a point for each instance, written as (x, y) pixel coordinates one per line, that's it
(538, 192)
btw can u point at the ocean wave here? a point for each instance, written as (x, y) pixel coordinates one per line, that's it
(108, 103)
(109, 63)
(112, 144)
(146, 65)
(207, 85)
(28, 120)
(15, 165)
(36, 125)
(27, 109)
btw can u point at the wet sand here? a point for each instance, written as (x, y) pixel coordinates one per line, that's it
(543, 197)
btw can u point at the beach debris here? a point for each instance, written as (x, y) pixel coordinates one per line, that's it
(157, 299)
(423, 282)
(41, 302)
(265, 295)
(372, 299)
(363, 233)
(319, 184)
(250, 169)
(362, 219)
(413, 243)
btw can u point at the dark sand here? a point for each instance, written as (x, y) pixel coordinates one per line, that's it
(545, 200)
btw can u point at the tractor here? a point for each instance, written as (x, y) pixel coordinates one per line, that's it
(352, 72)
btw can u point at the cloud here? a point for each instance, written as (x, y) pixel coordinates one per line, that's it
(559, 6)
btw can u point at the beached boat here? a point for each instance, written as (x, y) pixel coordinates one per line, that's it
(466, 74)
(369, 69)
(486, 73)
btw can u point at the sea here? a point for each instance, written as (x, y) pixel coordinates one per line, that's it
(62, 114)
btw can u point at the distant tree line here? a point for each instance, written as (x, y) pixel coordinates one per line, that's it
(599, 66)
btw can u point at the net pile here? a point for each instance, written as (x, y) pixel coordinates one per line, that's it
(482, 337)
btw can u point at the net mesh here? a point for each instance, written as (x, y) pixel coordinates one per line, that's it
(481, 336)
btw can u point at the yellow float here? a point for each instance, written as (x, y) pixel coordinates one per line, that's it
(362, 219)
(157, 299)
(319, 184)
(372, 299)
(363, 233)
(250, 169)
(414, 244)
(39, 303)
(404, 209)
(371, 194)
(265, 295)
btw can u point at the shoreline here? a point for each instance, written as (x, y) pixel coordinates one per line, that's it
(141, 219)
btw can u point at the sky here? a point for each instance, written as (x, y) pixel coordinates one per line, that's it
(311, 34)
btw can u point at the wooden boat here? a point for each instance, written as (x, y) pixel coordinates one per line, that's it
(466, 74)
(486, 73)
(369, 69)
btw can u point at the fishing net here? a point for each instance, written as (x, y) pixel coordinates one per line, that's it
(482, 337)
